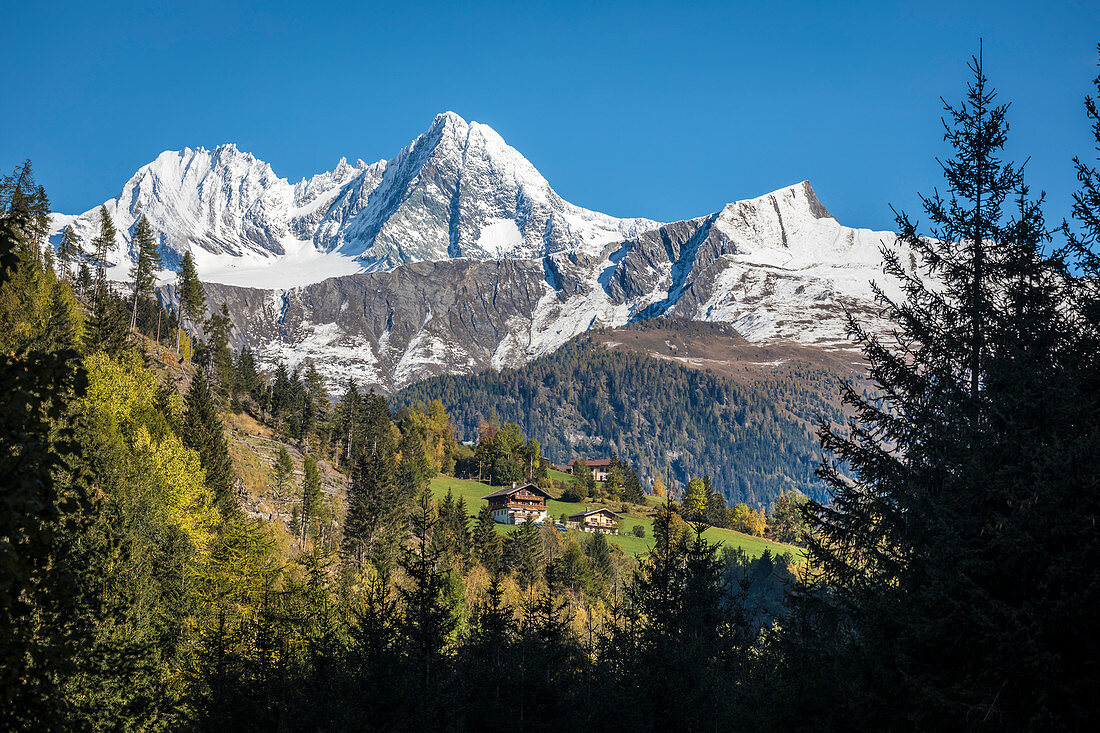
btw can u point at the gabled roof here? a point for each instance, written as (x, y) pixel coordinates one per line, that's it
(591, 462)
(509, 490)
(590, 512)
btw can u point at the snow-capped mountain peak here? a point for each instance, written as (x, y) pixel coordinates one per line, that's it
(458, 190)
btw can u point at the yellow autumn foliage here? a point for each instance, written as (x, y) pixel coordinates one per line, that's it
(121, 405)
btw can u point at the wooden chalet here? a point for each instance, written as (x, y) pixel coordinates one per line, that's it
(595, 520)
(601, 467)
(518, 504)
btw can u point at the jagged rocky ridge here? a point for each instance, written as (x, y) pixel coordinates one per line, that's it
(457, 256)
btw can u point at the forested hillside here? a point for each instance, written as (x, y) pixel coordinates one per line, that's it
(755, 438)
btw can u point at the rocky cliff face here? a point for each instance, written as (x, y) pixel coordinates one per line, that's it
(457, 256)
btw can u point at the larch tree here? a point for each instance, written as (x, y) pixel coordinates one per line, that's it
(284, 469)
(695, 500)
(311, 496)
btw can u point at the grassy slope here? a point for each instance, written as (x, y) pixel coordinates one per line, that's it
(473, 492)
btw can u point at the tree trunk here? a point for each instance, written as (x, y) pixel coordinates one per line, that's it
(133, 315)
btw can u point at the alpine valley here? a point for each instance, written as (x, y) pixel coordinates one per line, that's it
(457, 256)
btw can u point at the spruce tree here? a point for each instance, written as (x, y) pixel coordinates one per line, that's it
(107, 326)
(489, 657)
(221, 358)
(429, 620)
(374, 525)
(952, 482)
(64, 328)
(68, 251)
(84, 279)
(486, 541)
(633, 491)
(103, 242)
(524, 553)
(203, 431)
(549, 653)
(284, 469)
(348, 420)
(46, 505)
(39, 228)
(189, 292)
(247, 375)
(144, 270)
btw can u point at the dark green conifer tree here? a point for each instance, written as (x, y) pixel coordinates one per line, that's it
(429, 620)
(102, 243)
(963, 465)
(107, 326)
(524, 550)
(68, 251)
(486, 541)
(246, 374)
(46, 505)
(488, 661)
(203, 431)
(191, 296)
(374, 525)
(633, 491)
(220, 356)
(144, 270)
(63, 330)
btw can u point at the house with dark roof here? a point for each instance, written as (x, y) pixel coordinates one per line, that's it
(518, 504)
(601, 467)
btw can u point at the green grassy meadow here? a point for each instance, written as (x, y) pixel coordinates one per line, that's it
(473, 492)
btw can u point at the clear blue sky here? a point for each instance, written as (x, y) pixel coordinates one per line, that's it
(637, 109)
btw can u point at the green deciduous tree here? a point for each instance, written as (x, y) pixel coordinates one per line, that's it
(788, 521)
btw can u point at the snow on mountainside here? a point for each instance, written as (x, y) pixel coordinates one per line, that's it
(457, 256)
(458, 190)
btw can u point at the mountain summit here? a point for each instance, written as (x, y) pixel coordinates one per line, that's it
(458, 190)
